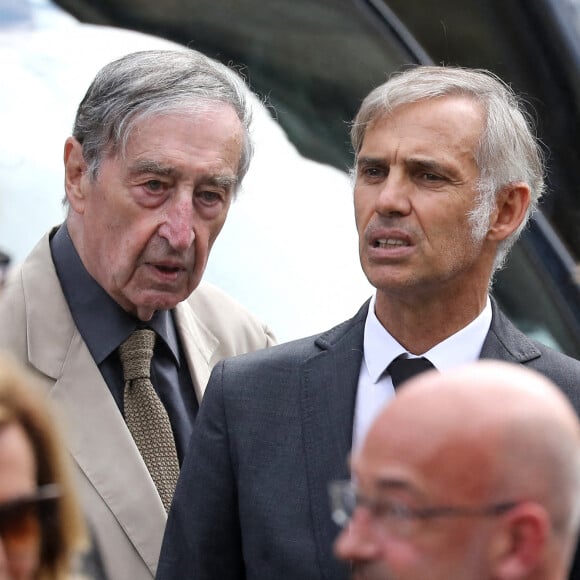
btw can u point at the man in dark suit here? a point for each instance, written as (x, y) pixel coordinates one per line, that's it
(447, 173)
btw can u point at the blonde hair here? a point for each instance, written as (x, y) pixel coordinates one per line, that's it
(22, 403)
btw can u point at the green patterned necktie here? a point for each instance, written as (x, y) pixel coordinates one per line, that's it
(146, 416)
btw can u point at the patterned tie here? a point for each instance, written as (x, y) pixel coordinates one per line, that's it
(146, 416)
(402, 369)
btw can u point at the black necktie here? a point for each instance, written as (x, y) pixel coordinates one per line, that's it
(402, 369)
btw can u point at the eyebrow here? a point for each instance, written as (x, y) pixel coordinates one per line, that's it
(428, 165)
(371, 161)
(225, 181)
(386, 483)
(394, 484)
(149, 166)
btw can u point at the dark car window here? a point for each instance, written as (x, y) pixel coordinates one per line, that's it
(311, 60)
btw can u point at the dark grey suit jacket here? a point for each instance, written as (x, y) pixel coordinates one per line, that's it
(274, 428)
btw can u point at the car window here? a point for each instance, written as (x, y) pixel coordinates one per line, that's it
(311, 60)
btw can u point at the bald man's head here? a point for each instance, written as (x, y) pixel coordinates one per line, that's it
(488, 434)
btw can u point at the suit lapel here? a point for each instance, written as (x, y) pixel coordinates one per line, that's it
(327, 407)
(98, 438)
(199, 345)
(106, 453)
(49, 323)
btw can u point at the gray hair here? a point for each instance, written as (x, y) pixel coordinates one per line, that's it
(508, 150)
(148, 83)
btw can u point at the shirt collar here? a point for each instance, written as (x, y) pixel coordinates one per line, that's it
(102, 323)
(381, 348)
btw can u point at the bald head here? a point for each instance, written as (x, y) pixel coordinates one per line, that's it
(486, 434)
(512, 420)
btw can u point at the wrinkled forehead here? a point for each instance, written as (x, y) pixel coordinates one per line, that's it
(458, 112)
(458, 102)
(194, 110)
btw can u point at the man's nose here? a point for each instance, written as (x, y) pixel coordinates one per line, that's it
(177, 227)
(357, 541)
(394, 195)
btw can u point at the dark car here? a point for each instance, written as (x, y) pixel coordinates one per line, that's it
(314, 61)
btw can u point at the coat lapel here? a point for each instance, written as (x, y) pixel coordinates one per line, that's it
(327, 407)
(106, 453)
(199, 346)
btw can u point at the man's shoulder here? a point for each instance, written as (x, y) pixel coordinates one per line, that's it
(13, 315)
(216, 316)
(214, 307)
(32, 307)
(37, 268)
(38, 262)
(561, 369)
(209, 298)
(347, 335)
(506, 342)
(556, 363)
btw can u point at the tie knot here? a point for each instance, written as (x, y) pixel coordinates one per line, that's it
(136, 354)
(402, 369)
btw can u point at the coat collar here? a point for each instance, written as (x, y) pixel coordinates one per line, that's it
(50, 327)
(201, 346)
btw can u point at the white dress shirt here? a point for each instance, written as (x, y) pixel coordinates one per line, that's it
(375, 387)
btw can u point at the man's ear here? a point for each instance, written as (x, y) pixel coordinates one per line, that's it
(511, 207)
(519, 547)
(76, 174)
